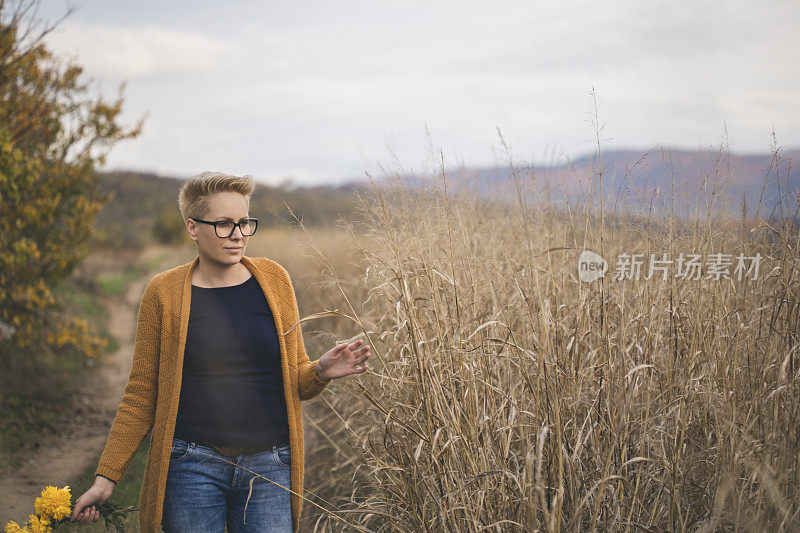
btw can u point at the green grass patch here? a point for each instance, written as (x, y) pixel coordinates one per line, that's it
(77, 299)
(116, 283)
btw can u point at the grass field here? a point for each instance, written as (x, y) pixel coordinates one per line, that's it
(508, 395)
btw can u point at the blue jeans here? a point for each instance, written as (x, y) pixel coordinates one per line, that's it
(206, 493)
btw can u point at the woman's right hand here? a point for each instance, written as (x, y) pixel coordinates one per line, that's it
(98, 493)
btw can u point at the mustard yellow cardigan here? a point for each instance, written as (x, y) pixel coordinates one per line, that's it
(151, 396)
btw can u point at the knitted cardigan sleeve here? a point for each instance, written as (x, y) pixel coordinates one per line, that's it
(309, 383)
(136, 412)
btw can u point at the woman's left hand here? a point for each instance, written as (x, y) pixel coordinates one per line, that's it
(343, 359)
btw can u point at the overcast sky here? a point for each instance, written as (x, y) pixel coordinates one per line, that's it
(324, 91)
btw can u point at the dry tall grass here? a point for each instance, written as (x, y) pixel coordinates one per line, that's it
(506, 395)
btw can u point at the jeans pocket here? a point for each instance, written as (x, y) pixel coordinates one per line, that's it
(180, 449)
(284, 455)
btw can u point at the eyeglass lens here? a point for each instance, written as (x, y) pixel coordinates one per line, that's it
(226, 228)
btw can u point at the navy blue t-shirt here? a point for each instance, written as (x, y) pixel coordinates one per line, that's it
(232, 384)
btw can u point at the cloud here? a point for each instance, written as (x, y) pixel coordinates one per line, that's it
(126, 52)
(320, 89)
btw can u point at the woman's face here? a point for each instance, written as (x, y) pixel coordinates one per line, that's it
(227, 205)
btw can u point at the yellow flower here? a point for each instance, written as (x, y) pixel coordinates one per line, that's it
(54, 503)
(38, 525)
(13, 527)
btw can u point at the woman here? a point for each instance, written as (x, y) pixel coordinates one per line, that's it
(218, 374)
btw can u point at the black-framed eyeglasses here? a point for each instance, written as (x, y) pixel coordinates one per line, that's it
(225, 228)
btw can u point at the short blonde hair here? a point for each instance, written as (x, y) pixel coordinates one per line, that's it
(193, 198)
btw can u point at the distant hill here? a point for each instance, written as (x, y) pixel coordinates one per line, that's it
(144, 206)
(639, 179)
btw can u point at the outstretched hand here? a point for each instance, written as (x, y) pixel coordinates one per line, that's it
(343, 359)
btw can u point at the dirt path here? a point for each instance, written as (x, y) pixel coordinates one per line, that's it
(65, 456)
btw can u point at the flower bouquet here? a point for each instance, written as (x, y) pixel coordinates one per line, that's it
(54, 507)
